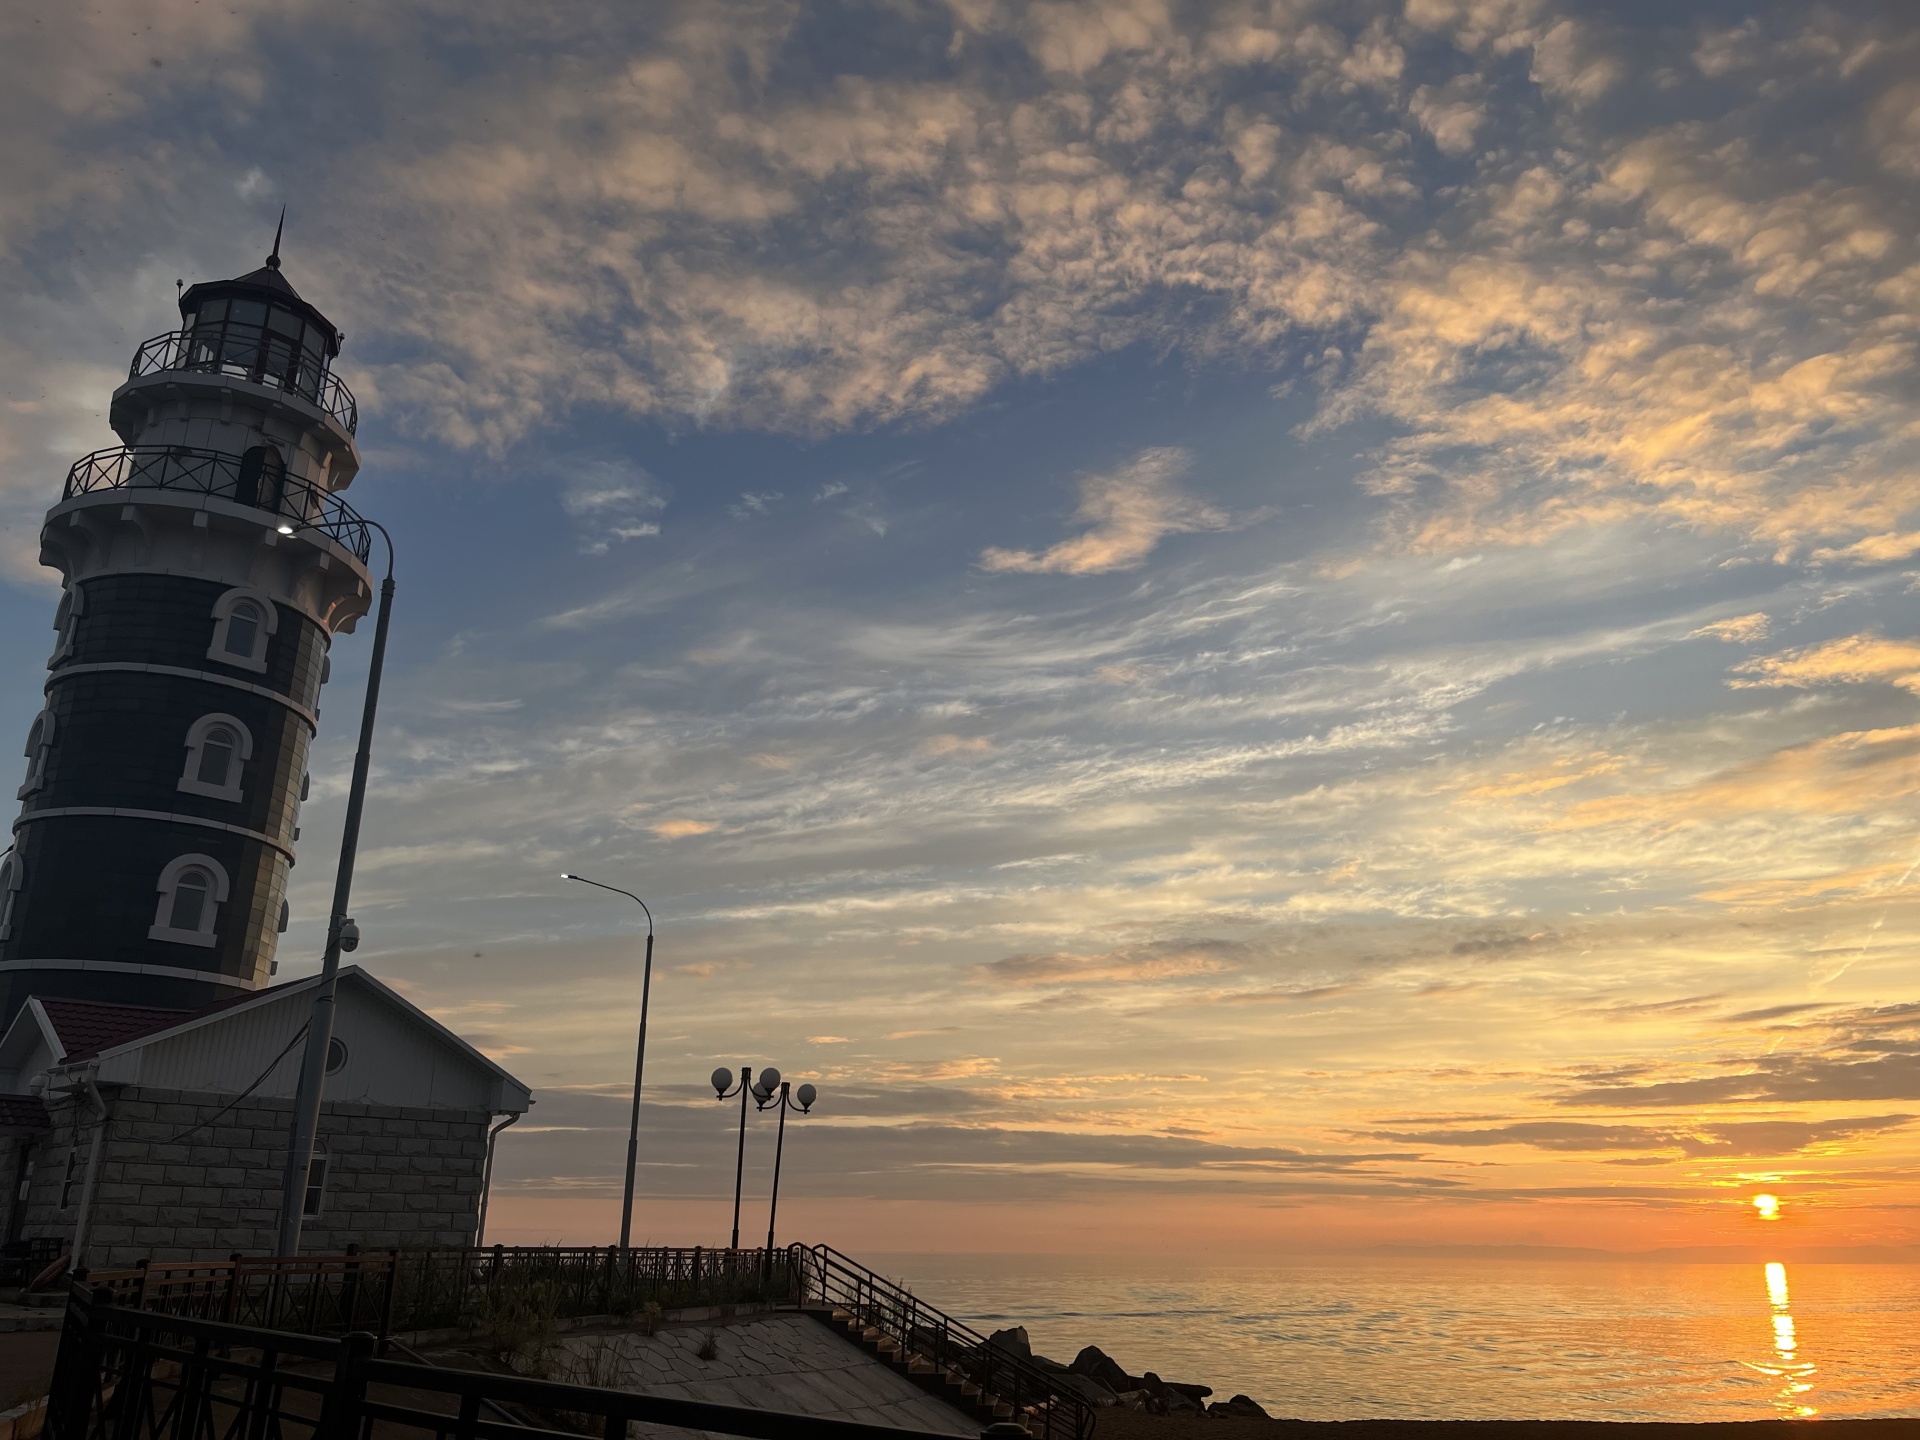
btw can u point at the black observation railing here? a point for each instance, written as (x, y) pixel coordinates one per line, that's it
(250, 352)
(1035, 1398)
(398, 1291)
(255, 479)
(129, 1374)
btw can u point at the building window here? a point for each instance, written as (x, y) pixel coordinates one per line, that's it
(336, 1055)
(39, 747)
(243, 619)
(10, 874)
(316, 1196)
(218, 747)
(66, 622)
(67, 1183)
(192, 889)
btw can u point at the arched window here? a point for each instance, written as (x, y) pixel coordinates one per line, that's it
(218, 747)
(39, 747)
(192, 889)
(10, 877)
(243, 619)
(262, 480)
(73, 604)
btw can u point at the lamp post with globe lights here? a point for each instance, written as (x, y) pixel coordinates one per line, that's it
(768, 1091)
(788, 1099)
(724, 1089)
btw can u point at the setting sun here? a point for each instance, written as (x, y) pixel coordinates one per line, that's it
(1768, 1206)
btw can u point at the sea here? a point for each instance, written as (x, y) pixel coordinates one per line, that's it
(1367, 1337)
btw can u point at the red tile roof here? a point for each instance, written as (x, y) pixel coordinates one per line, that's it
(23, 1115)
(86, 1027)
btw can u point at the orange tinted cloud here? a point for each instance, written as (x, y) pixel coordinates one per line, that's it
(1127, 512)
(1853, 659)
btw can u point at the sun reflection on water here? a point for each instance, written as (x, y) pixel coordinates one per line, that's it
(1794, 1374)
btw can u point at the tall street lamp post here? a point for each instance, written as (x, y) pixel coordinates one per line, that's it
(342, 934)
(805, 1096)
(724, 1089)
(639, 1061)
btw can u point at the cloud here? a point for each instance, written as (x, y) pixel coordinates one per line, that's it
(1169, 960)
(1127, 513)
(1856, 1056)
(611, 501)
(956, 746)
(1451, 113)
(1746, 1139)
(1850, 660)
(754, 502)
(681, 829)
(1740, 629)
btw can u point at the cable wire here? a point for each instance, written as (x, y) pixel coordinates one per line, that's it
(259, 1080)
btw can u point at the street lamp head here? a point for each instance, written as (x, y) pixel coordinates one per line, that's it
(721, 1078)
(806, 1095)
(565, 876)
(769, 1081)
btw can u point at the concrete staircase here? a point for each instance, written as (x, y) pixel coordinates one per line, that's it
(947, 1384)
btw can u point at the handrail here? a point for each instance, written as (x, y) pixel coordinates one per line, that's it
(401, 1290)
(1050, 1409)
(259, 355)
(128, 1374)
(227, 476)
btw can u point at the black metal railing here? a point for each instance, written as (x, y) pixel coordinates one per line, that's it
(245, 479)
(128, 1374)
(1037, 1399)
(398, 1291)
(249, 352)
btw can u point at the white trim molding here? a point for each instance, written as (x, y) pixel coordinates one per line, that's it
(73, 604)
(171, 817)
(199, 735)
(39, 749)
(177, 876)
(123, 967)
(312, 717)
(265, 622)
(10, 877)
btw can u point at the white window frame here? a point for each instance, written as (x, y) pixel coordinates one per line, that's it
(190, 780)
(313, 1194)
(73, 604)
(223, 616)
(169, 882)
(39, 747)
(10, 877)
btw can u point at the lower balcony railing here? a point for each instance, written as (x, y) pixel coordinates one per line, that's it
(253, 479)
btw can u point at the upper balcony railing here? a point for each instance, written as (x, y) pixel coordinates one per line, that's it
(255, 479)
(250, 352)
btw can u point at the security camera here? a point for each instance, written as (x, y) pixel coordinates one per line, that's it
(349, 935)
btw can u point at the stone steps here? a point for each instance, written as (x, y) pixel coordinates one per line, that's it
(948, 1385)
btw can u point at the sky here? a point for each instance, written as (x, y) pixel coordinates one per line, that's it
(1242, 627)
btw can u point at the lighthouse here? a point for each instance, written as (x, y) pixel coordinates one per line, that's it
(206, 564)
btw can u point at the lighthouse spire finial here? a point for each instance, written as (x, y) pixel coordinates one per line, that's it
(273, 260)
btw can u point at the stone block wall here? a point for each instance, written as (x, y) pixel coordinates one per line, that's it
(184, 1178)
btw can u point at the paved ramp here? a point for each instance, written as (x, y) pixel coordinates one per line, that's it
(770, 1362)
